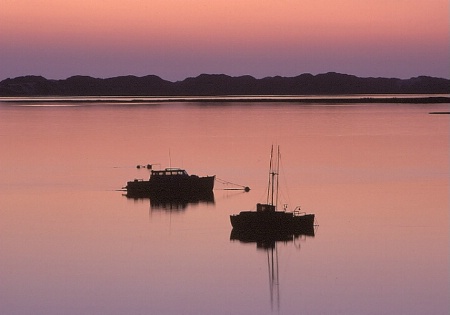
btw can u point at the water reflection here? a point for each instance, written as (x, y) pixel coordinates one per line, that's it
(267, 241)
(177, 202)
(71, 244)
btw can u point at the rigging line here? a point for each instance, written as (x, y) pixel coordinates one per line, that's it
(224, 182)
(285, 185)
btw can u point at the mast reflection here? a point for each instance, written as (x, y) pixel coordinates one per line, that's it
(267, 241)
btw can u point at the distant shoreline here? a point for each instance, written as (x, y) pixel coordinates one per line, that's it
(231, 99)
(324, 86)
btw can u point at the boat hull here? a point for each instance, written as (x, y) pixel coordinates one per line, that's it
(271, 221)
(171, 186)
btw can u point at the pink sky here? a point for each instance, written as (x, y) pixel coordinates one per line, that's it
(175, 39)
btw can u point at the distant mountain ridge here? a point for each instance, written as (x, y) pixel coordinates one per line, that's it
(330, 83)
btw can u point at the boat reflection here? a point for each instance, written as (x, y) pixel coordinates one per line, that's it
(177, 202)
(267, 241)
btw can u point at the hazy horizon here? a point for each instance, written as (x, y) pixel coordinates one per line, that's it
(175, 40)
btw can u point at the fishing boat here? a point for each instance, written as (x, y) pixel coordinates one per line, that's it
(171, 182)
(266, 218)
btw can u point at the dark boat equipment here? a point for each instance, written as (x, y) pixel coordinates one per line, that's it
(236, 186)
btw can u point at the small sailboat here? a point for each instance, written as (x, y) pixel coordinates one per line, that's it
(267, 219)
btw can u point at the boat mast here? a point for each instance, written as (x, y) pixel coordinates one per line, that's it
(270, 186)
(272, 189)
(278, 172)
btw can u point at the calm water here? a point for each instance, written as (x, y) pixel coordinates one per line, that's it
(376, 176)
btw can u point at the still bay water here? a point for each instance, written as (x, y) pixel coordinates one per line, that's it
(376, 176)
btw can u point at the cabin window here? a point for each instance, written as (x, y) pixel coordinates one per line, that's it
(169, 172)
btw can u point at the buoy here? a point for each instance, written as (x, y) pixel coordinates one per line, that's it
(246, 189)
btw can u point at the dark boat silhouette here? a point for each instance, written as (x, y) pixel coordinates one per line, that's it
(170, 182)
(267, 217)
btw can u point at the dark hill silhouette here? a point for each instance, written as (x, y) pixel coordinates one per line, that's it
(124, 85)
(220, 85)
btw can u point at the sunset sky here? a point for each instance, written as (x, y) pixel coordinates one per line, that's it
(175, 39)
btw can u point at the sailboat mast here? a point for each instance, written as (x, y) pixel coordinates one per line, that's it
(272, 189)
(270, 184)
(277, 173)
(273, 186)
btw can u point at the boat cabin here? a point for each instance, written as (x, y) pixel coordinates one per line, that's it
(261, 207)
(170, 172)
